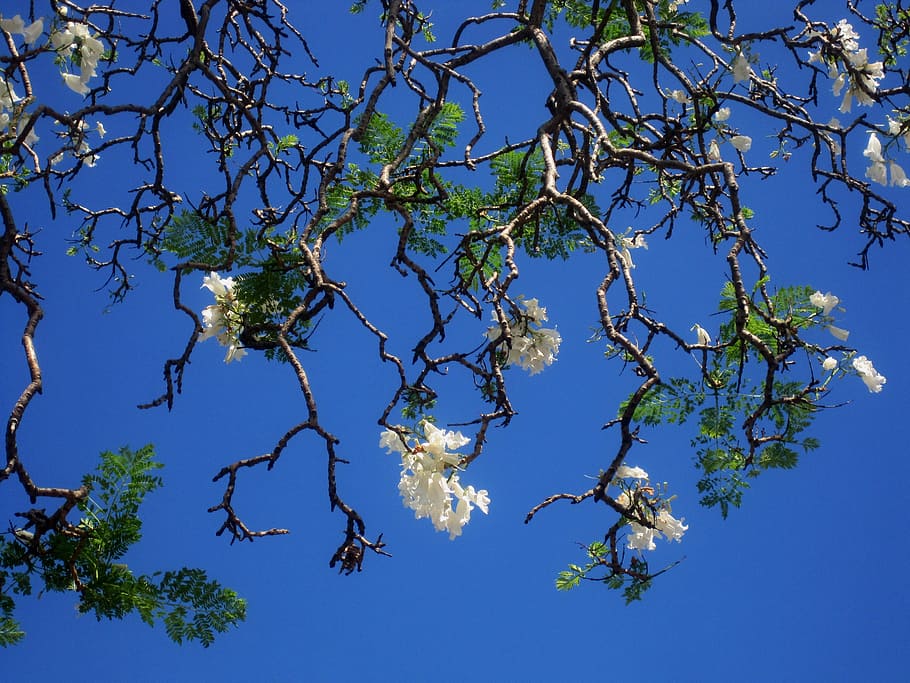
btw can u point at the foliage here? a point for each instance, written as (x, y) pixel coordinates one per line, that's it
(87, 559)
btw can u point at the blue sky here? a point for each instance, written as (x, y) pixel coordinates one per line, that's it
(805, 582)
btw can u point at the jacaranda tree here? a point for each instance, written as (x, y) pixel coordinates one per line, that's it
(656, 117)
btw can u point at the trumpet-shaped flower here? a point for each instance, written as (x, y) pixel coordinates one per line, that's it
(742, 143)
(627, 243)
(722, 114)
(626, 472)
(76, 84)
(641, 538)
(898, 177)
(713, 151)
(826, 302)
(703, 337)
(837, 332)
(669, 526)
(219, 286)
(741, 68)
(877, 173)
(873, 379)
(873, 151)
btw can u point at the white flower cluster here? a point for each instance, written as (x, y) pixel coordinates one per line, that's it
(532, 348)
(10, 119)
(642, 537)
(83, 49)
(429, 480)
(861, 76)
(860, 364)
(223, 319)
(72, 43)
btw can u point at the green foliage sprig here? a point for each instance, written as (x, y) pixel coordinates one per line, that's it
(87, 558)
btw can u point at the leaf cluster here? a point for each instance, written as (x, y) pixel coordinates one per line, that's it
(88, 559)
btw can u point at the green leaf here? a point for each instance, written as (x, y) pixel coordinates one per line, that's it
(567, 580)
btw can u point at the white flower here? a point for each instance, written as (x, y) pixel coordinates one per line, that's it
(33, 31)
(76, 84)
(743, 143)
(219, 286)
(829, 363)
(838, 85)
(722, 114)
(873, 151)
(878, 173)
(837, 332)
(870, 376)
(703, 337)
(741, 68)
(8, 96)
(641, 538)
(62, 39)
(669, 526)
(100, 128)
(826, 302)
(626, 472)
(234, 352)
(392, 442)
(898, 177)
(32, 136)
(679, 96)
(481, 498)
(713, 151)
(627, 243)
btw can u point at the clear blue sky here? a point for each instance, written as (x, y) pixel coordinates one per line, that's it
(805, 582)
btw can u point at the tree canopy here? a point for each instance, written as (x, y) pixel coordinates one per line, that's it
(241, 162)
